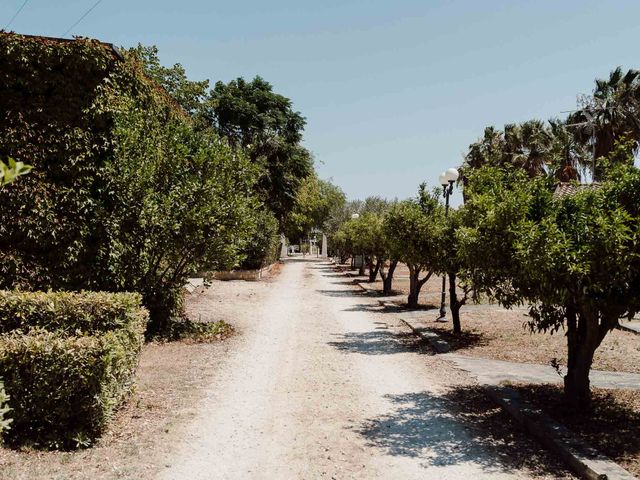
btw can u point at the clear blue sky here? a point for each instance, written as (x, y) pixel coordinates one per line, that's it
(393, 90)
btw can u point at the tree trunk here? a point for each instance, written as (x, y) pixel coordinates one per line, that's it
(387, 278)
(414, 288)
(454, 304)
(415, 284)
(374, 269)
(362, 266)
(584, 334)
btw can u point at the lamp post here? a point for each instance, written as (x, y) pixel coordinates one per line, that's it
(354, 216)
(446, 179)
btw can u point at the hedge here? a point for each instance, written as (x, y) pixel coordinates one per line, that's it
(69, 312)
(65, 381)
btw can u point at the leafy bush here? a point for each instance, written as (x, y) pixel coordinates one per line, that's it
(263, 247)
(125, 195)
(67, 361)
(64, 389)
(5, 421)
(69, 312)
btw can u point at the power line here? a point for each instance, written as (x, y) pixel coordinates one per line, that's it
(16, 14)
(81, 18)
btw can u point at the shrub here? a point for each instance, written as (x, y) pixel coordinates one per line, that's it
(63, 390)
(5, 421)
(67, 361)
(70, 313)
(263, 248)
(125, 195)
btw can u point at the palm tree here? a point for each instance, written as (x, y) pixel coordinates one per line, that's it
(566, 155)
(609, 113)
(527, 146)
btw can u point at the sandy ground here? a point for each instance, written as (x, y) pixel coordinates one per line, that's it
(319, 385)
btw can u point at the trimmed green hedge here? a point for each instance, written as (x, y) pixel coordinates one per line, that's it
(67, 361)
(69, 312)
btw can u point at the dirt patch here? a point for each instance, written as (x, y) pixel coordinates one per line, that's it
(493, 332)
(611, 427)
(172, 380)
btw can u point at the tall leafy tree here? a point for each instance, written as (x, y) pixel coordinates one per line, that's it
(252, 116)
(189, 94)
(412, 229)
(574, 260)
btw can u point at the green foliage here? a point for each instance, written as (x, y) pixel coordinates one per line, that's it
(573, 259)
(68, 360)
(128, 194)
(412, 229)
(317, 202)
(262, 248)
(252, 116)
(565, 149)
(188, 93)
(188, 330)
(5, 421)
(72, 386)
(69, 312)
(11, 170)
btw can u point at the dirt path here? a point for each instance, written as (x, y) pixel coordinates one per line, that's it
(319, 385)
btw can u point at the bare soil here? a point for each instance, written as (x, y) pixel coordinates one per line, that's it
(612, 426)
(490, 331)
(171, 382)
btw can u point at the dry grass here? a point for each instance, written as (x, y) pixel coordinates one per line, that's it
(491, 331)
(171, 377)
(612, 426)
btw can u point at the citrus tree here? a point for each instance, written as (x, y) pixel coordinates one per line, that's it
(411, 229)
(574, 260)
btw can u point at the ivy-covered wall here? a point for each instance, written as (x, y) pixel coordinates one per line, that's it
(124, 194)
(47, 119)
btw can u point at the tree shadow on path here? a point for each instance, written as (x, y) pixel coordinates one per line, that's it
(378, 342)
(458, 427)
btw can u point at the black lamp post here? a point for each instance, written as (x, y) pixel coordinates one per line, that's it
(446, 179)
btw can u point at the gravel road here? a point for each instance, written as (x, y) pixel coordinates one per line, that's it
(320, 385)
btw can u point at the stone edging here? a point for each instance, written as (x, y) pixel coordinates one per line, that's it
(249, 275)
(627, 328)
(583, 460)
(437, 343)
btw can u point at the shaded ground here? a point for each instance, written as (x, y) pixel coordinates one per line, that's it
(612, 426)
(323, 386)
(490, 331)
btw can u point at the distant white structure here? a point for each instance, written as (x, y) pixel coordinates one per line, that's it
(324, 246)
(283, 246)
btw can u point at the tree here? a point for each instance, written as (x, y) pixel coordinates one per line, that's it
(573, 259)
(188, 93)
(253, 117)
(125, 194)
(612, 111)
(316, 201)
(447, 262)
(412, 228)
